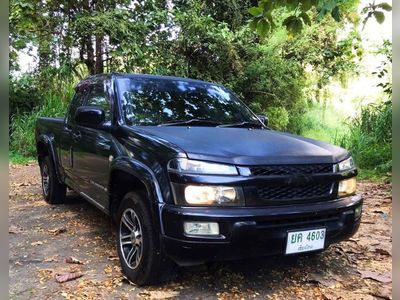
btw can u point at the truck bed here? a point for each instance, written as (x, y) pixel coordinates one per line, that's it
(50, 126)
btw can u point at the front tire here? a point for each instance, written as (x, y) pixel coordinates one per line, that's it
(138, 244)
(53, 191)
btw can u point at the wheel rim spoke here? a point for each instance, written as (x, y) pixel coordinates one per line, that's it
(45, 180)
(131, 254)
(126, 240)
(127, 222)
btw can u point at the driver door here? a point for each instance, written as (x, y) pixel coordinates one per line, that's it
(93, 149)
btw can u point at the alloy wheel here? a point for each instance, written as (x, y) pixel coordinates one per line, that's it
(130, 238)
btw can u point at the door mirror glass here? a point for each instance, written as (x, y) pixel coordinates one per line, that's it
(89, 116)
(263, 119)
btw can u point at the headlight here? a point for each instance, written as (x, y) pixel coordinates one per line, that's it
(211, 195)
(347, 187)
(207, 195)
(346, 164)
(190, 166)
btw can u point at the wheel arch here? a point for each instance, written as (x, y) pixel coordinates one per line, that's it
(127, 175)
(45, 147)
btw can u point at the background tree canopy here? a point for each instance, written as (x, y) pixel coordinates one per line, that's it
(278, 56)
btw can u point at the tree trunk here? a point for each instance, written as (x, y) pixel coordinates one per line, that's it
(99, 54)
(90, 62)
(82, 51)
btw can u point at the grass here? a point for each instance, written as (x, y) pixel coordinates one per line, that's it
(374, 176)
(16, 158)
(367, 136)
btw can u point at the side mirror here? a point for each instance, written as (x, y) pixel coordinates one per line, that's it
(263, 119)
(89, 116)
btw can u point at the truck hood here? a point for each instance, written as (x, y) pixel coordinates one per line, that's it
(243, 146)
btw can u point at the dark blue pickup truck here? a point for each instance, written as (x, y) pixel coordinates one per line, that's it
(189, 174)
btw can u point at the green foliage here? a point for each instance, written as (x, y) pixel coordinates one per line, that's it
(24, 94)
(22, 137)
(17, 158)
(203, 39)
(279, 117)
(377, 11)
(383, 72)
(370, 137)
(321, 122)
(271, 81)
(264, 17)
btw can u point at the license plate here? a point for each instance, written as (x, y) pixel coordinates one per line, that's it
(305, 240)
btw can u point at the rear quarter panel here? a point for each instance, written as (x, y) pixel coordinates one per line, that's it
(50, 131)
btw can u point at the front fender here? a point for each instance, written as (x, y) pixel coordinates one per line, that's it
(142, 172)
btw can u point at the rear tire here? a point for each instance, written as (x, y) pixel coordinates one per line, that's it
(138, 244)
(53, 191)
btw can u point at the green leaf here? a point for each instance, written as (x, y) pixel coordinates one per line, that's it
(293, 24)
(306, 5)
(379, 16)
(253, 24)
(306, 18)
(292, 4)
(255, 11)
(327, 6)
(385, 6)
(364, 10)
(263, 27)
(288, 20)
(336, 14)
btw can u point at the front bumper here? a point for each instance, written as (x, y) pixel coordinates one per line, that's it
(253, 231)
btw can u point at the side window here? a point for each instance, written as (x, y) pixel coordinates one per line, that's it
(98, 97)
(77, 101)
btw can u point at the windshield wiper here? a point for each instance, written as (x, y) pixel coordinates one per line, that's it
(243, 124)
(190, 122)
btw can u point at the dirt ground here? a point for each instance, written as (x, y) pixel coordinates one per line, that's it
(41, 237)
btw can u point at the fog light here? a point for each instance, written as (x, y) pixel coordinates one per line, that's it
(357, 212)
(347, 187)
(201, 228)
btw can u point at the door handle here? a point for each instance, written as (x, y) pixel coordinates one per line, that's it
(76, 135)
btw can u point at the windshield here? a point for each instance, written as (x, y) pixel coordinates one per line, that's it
(152, 101)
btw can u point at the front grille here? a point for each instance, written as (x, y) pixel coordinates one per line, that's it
(272, 170)
(287, 193)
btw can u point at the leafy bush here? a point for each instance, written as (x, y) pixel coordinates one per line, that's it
(24, 94)
(22, 136)
(278, 118)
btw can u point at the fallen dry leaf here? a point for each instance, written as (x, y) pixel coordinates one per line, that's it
(108, 269)
(323, 280)
(159, 294)
(64, 277)
(57, 231)
(37, 243)
(112, 257)
(385, 277)
(73, 260)
(51, 259)
(14, 229)
(384, 292)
